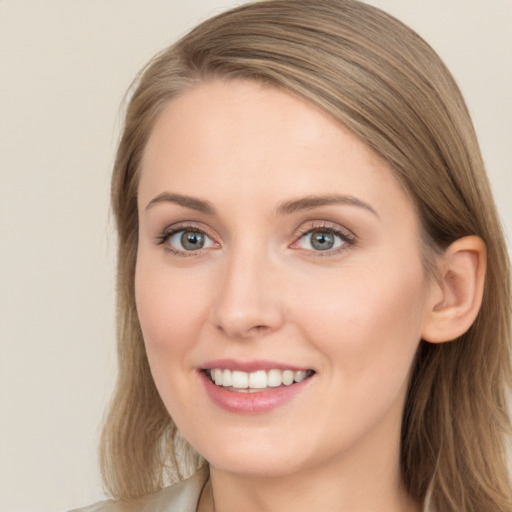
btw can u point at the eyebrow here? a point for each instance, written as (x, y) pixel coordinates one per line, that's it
(310, 202)
(285, 208)
(186, 201)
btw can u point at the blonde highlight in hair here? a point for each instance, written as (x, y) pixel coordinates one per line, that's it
(379, 79)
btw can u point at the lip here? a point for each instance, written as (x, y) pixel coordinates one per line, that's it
(256, 402)
(249, 366)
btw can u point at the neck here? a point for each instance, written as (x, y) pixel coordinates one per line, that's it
(302, 496)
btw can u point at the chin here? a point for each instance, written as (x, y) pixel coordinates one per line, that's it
(259, 456)
(258, 466)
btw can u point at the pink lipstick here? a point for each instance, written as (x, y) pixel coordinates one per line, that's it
(254, 386)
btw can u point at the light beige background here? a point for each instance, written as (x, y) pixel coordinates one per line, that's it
(64, 66)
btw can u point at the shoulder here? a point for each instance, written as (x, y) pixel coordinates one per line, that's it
(180, 497)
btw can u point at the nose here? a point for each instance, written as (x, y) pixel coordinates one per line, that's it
(247, 303)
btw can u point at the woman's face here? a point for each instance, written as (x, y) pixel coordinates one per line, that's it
(275, 247)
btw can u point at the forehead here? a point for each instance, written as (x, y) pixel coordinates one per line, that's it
(225, 137)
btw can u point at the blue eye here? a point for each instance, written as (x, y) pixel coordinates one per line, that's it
(321, 239)
(187, 240)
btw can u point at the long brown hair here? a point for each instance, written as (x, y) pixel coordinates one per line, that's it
(384, 83)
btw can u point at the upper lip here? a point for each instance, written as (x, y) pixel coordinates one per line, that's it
(250, 366)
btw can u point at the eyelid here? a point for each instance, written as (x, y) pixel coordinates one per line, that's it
(346, 235)
(169, 231)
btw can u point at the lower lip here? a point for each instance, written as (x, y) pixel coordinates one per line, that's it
(254, 402)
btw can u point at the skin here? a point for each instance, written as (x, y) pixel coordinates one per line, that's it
(259, 291)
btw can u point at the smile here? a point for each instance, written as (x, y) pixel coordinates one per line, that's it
(251, 382)
(253, 387)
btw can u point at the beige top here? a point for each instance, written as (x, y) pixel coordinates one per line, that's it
(180, 497)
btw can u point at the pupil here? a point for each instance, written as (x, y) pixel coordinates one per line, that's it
(322, 241)
(192, 240)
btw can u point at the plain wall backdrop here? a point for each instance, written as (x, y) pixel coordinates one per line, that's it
(64, 67)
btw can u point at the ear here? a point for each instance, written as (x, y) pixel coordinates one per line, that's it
(457, 294)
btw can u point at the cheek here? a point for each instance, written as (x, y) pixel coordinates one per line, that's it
(368, 329)
(170, 310)
(367, 322)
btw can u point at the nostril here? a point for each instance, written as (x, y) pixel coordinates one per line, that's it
(240, 331)
(239, 317)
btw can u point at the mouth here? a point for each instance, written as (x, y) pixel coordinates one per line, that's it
(255, 381)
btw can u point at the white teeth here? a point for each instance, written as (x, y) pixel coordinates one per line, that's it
(259, 379)
(274, 378)
(240, 380)
(300, 375)
(227, 380)
(288, 377)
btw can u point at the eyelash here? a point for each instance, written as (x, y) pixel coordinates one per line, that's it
(169, 232)
(347, 238)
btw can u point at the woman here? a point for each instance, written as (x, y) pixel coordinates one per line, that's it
(313, 285)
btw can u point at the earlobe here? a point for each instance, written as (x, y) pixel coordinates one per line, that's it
(457, 295)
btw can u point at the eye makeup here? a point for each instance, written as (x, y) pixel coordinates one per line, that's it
(320, 238)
